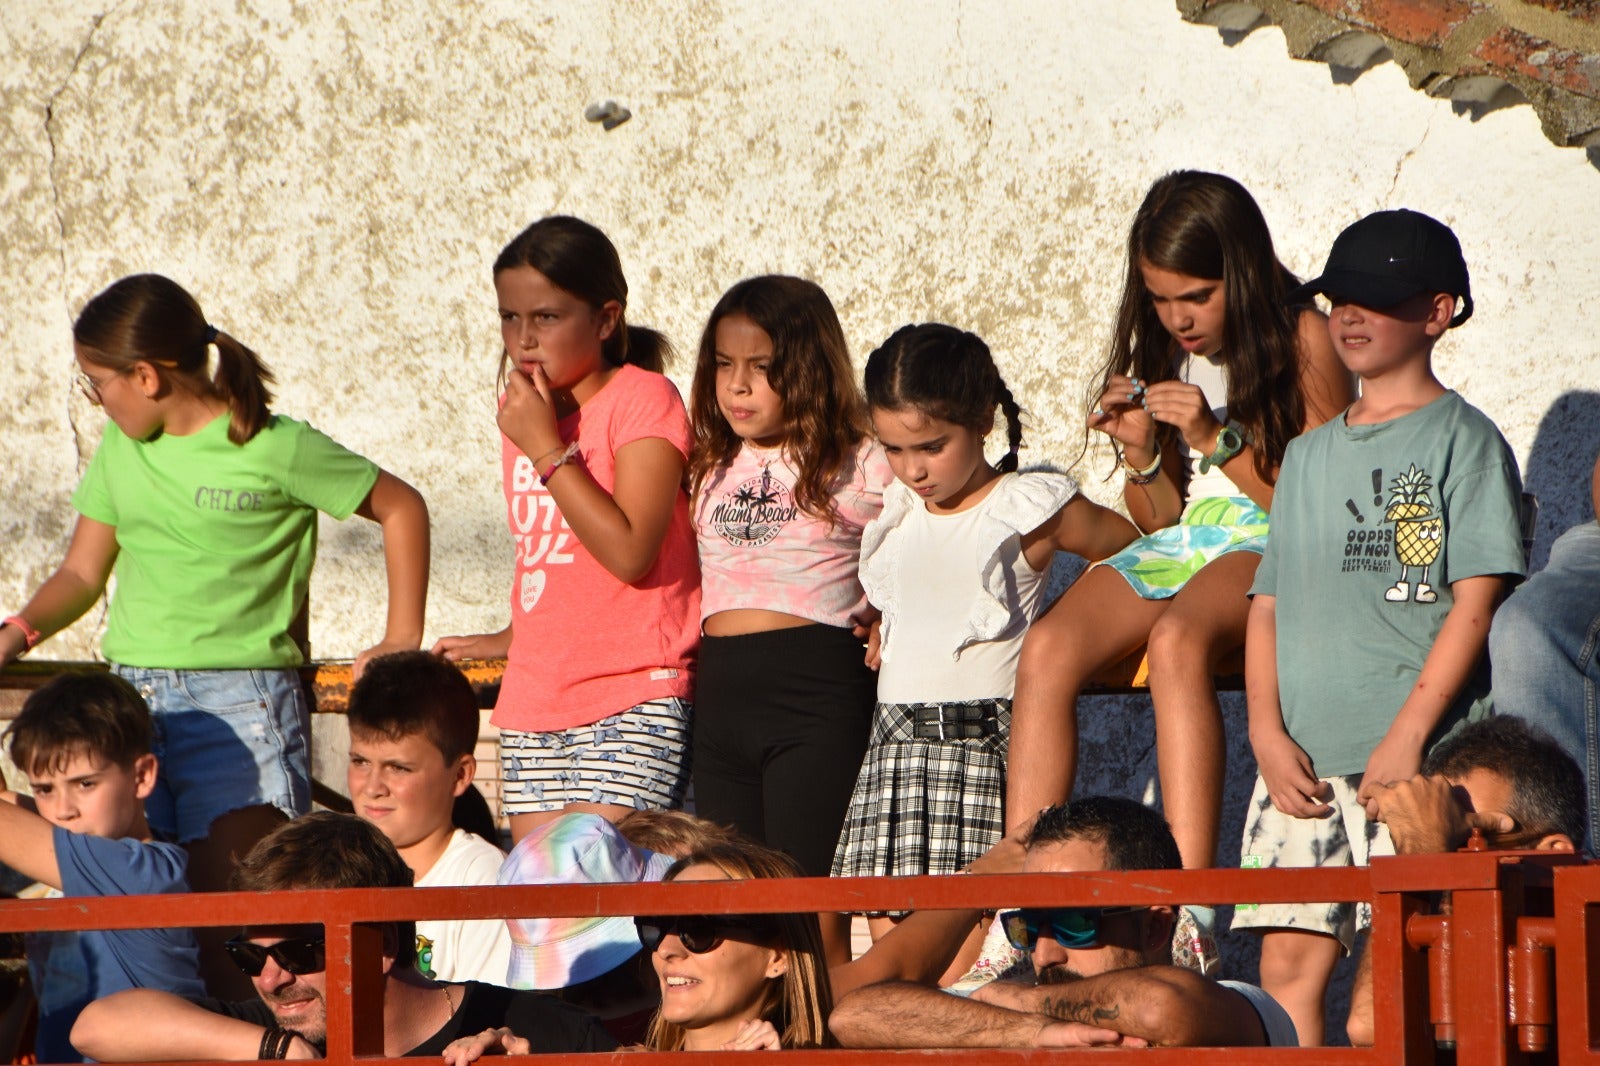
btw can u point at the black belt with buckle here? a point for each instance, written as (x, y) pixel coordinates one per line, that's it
(955, 721)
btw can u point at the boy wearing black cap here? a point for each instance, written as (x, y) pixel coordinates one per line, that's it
(1394, 535)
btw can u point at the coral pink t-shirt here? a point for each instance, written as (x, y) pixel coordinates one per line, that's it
(585, 645)
(759, 550)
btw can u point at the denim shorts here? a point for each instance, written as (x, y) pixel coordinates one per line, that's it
(637, 758)
(226, 739)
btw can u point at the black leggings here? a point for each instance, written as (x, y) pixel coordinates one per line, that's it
(780, 728)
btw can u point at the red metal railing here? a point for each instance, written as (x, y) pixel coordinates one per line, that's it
(1489, 979)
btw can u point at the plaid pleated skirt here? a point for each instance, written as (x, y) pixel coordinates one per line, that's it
(922, 804)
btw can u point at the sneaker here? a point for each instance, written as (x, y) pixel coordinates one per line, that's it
(1194, 941)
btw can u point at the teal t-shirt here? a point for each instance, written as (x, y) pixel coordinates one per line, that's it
(215, 540)
(1370, 525)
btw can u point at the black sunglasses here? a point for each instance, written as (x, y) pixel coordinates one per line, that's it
(302, 955)
(702, 934)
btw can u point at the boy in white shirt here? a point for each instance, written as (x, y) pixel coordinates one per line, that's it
(413, 726)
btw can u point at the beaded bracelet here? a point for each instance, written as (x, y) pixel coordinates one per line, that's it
(1148, 474)
(562, 460)
(30, 635)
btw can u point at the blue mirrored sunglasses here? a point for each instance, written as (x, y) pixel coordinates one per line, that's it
(1071, 927)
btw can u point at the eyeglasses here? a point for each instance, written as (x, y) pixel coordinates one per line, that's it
(299, 956)
(91, 388)
(1071, 927)
(700, 935)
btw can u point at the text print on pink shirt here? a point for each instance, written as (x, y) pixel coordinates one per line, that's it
(542, 535)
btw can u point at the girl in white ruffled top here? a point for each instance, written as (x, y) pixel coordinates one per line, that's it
(957, 562)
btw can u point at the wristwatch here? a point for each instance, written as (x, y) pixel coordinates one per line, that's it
(1230, 442)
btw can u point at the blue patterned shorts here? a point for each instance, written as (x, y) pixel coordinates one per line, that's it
(1159, 564)
(637, 758)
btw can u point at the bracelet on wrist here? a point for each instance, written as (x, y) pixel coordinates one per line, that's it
(275, 1043)
(562, 460)
(30, 635)
(1137, 476)
(544, 457)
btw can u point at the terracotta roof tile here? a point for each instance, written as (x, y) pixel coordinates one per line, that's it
(1481, 54)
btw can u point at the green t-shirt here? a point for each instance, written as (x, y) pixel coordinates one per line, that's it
(215, 540)
(1370, 525)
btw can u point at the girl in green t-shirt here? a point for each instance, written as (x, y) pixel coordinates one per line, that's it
(204, 504)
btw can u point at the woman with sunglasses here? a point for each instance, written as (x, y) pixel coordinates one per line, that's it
(737, 981)
(733, 982)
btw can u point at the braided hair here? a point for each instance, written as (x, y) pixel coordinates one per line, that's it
(948, 374)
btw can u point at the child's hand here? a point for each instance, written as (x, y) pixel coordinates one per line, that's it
(1290, 778)
(1185, 407)
(755, 1034)
(1120, 414)
(871, 636)
(476, 646)
(383, 647)
(528, 415)
(1394, 759)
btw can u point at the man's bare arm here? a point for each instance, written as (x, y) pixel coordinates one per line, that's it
(903, 1015)
(143, 1025)
(1165, 1005)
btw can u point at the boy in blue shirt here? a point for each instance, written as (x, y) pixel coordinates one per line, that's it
(83, 740)
(1394, 535)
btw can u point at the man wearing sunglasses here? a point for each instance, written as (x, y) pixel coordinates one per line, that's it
(1503, 776)
(1102, 975)
(286, 964)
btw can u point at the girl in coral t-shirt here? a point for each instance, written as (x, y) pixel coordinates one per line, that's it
(593, 711)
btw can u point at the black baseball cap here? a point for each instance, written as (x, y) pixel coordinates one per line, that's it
(1389, 257)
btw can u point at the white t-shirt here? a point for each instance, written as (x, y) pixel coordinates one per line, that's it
(461, 950)
(1212, 378)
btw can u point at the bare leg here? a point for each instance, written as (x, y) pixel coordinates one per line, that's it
(1205, 622)
(1360, 1026)
(1095, 623)
(966, 955)
(1295, 968)
(835, 937)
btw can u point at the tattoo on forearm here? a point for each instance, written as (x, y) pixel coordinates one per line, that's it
(1077, 1010)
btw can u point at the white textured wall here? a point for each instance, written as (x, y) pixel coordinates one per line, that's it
(333, 181)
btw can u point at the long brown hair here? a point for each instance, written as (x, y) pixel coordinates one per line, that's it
(824, 419)
(798, 1003)
(580, 259)
(1208, 226)
(146, 318)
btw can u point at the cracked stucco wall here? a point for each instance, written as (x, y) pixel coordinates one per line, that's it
(333, 181)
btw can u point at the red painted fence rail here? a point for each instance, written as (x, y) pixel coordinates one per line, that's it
(1505, 973)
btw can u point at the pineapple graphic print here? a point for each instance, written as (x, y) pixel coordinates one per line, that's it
(1418, 534)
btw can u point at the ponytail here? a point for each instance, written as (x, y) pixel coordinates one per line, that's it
(241, 379)
(146, 318)
(640, 346)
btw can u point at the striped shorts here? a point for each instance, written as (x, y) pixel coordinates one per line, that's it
(637, 758)
(925, 805)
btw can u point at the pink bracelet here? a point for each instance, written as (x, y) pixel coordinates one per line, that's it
(561, 460)
(30, 635)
